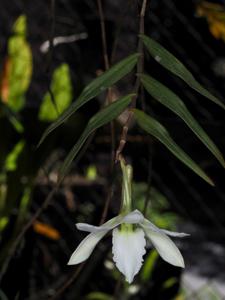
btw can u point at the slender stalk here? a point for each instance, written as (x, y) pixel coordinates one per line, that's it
(25, 229)
(140, 68)
(109, 100)
(107, 66)
(68, 282)
(103, 33)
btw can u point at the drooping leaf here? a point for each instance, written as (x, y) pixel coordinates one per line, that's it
(103, 117)
(174, 103)
(171, 63)
(61, 88)
(94, 88)
(17, 72)
(153, 127)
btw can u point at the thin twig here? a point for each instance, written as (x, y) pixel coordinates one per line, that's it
(103, 33)
(140, 68)
(50, 54)
(110, 193)
(51, 36)
(109, 100)
(107, 66)
(68, 282)
(25, 229)
(149, 180)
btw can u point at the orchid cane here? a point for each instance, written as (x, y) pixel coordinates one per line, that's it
(129, 231)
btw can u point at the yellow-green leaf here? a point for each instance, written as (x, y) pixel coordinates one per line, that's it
(103, 117)
(94, 88)
(11, 159)
(153, 127)
(19, 66)
(171, 63)
(61, 88)
(174, 103)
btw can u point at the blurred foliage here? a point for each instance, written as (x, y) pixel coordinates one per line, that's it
(61, 88)
(206, 292)
(19, 161)
(215, 16)
(158, 209)
(91, 172)
(98, 296)
(149, 265)
(17, 71)
(11, 159)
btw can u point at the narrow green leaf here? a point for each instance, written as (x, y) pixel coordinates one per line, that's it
(103, 117)
(165, 96)
(97, 86)
(171, 63)
(154, 128)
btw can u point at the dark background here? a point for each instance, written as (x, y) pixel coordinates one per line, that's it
(39, 266)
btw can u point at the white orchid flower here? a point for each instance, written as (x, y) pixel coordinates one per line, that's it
(129, 242)
(129, 233)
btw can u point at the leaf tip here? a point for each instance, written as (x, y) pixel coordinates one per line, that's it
(209, 180)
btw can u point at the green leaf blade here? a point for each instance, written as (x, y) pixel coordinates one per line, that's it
(171, 63)
(98, 85)
(169, 99)
(154, 128)
(103, 117)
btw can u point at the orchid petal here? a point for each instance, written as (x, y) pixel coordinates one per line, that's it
(175, 234)
(147, 224)
(165, 247)
(86, 247)
(87, 227)
(128, 250)
(134, 217)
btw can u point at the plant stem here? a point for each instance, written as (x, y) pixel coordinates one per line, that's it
(107, 66)
(140, 68)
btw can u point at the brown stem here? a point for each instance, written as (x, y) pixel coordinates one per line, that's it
(25, 229)
(107, 66)
(103, 33)
(109, 100)
(149, 180)
(68, 282)
(140, 68)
